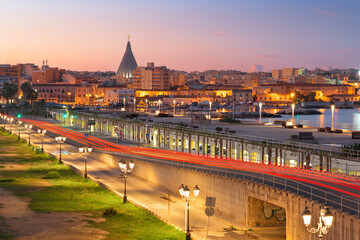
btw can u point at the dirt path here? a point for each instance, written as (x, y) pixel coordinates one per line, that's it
(28, 225)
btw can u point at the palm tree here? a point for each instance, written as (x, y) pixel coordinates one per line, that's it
(9, 91)
(29, 93)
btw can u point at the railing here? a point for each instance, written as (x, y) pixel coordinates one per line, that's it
(353, 155)
(322, 195)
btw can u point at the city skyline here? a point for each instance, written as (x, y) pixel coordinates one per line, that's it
(201, 35)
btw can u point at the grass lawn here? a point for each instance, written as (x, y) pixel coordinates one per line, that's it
(72, 193)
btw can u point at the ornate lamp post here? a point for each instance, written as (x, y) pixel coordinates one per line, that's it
(185, 194)
(325, 221)
(332, 115)
(174, 107)
(42, 132)
(126, 169)
(4, 120)
(19, 129)
(60, 140)
(29, 127)
(10, 121)
(83, 151)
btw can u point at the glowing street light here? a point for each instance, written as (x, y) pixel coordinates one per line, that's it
(60, 140)
(42, 132)
(210, 103)
(134, 104)
(260, 111)
(28, 127)
(292, 112)
(174, 107)
(83, 151)
(124, 104)
(126, 169)
(185, 195)
(159, 105)
(332, 115)
(325, 221)
(146, 105)
(19, 129)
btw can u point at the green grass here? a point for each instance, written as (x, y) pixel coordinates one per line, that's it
(72, 193)
(3, 234)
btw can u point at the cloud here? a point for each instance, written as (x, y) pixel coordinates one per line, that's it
(348, 50)
(267, 56)
(327, 13)
(256, 68)
(220, 34)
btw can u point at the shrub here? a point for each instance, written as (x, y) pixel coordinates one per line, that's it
(52, 175)
(110, 211)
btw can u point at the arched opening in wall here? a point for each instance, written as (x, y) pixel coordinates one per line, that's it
(270, 216)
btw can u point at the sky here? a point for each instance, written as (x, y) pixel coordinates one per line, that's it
(189, 35)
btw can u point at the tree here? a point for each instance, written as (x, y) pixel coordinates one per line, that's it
(29, 93)
(254, 98)
(9, 91)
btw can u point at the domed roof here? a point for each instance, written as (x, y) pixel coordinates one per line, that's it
(128, 63)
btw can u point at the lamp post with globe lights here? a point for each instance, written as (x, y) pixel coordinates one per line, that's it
(10, 122)
(19, 128)
(125, 168)
(185, 194)
(4, 120)
(60, 140)
(29, 127)
(84, 151)
(325, 221)
(42, 132)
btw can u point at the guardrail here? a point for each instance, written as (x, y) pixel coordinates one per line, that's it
(320, 194)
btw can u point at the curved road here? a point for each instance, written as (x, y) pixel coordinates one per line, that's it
(336, 190)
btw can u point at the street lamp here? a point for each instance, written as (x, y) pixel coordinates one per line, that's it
(60, 140)
(260, 110)
(159, 105)
(185, 194)
(332, 115)
(42, 132)
(28, 127)
(10, 121)
(134, 104)
(325, 221)
(292, 112)
(146, 105)
(4, 119)
(124, 104)
(174, 107)
(210, 110)
(85, 150)
(125, 169)
(19, 129)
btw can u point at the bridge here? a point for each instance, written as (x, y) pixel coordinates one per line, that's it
(246, 190)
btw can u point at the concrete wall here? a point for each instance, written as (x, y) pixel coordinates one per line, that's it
(234, 200)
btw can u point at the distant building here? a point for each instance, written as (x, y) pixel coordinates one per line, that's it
(46, 75)
(56, 92)
(285, 73)
(117, 95)
(128, 63)
(152, 77)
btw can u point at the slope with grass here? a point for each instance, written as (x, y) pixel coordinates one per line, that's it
(52, 187)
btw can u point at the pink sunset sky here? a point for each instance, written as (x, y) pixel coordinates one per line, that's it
(184, 35)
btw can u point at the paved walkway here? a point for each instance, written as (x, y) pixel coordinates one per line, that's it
(155, 199)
